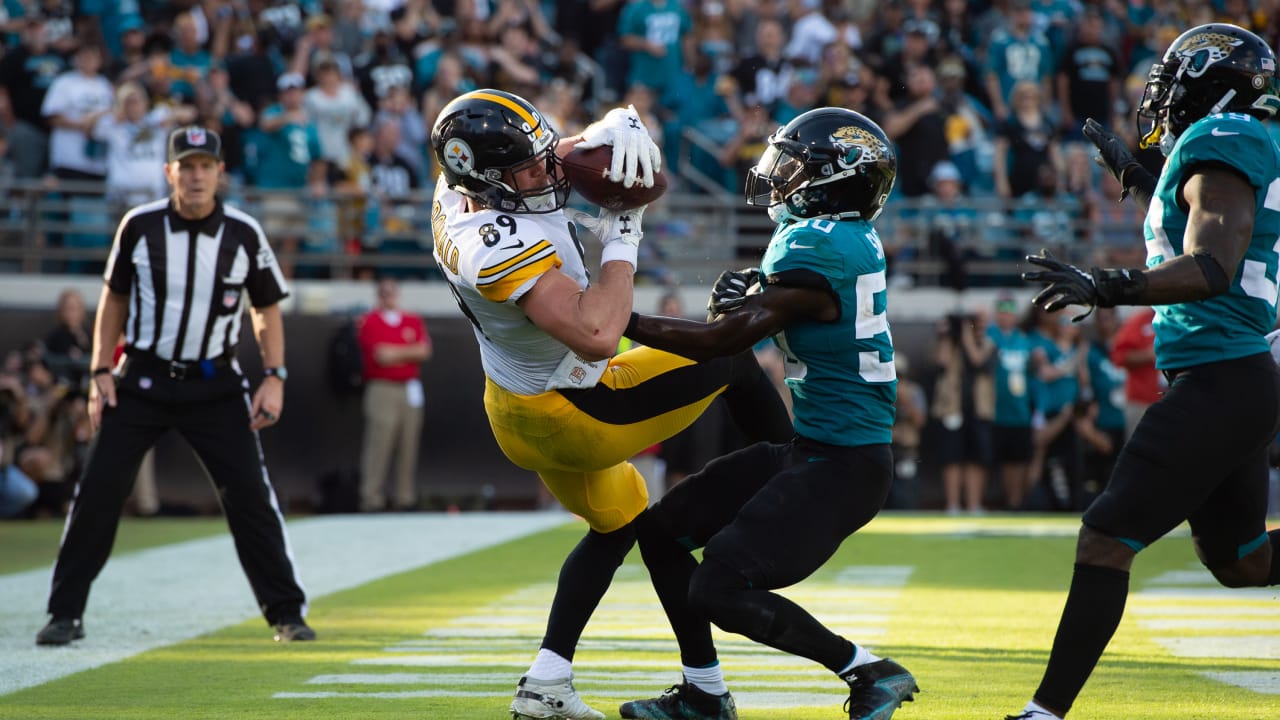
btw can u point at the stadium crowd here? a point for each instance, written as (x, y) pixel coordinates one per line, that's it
(325, 106)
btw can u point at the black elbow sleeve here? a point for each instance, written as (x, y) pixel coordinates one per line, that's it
(1214, 276)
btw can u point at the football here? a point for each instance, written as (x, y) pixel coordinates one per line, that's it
(588, 173)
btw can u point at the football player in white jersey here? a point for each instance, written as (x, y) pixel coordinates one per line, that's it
(558, 402)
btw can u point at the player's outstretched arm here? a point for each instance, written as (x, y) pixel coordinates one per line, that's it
(760, 316)
(1220, 209)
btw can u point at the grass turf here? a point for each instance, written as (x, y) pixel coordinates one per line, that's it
(972, 615)
(30, 545)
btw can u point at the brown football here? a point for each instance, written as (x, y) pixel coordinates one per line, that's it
(588, 173)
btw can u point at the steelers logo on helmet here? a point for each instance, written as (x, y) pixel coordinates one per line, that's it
(458, 156)
(488, 142)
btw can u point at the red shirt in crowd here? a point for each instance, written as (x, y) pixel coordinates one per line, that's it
(1136, 334)
(392, 328)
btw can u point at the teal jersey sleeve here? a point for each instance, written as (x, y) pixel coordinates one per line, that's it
(1230, 325)
(840, 373)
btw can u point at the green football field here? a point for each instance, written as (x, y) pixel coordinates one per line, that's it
(968, 605)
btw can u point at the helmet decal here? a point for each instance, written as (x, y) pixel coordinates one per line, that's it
(458, 156)
(1200, 52)
(856, 146)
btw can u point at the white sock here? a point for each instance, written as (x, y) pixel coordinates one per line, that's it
(707, 679)
(861, 656)
(550, 666)
(1035, 707)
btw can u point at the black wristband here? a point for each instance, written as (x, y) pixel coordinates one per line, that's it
(631, 324)
(101, 371)
(1119, 287)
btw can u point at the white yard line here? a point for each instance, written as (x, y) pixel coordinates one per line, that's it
(1182, 607)
(164, 595)
(859, 601)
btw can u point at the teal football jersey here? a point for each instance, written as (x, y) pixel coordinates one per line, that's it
(1012, 376)
(841, 375)
(1230, 325)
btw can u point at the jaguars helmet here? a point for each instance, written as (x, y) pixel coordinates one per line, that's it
(827, 163)
(1208, 69)
(485, 143)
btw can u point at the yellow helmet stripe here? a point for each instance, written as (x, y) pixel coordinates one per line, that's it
(513, 107)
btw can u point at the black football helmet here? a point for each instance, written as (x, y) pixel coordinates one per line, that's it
(1207, 70)
(829, 163)
(487, 141)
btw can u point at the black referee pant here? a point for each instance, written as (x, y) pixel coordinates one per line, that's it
(211, 410)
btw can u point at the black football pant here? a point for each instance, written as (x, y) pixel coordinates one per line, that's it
(212, 414)
(768, 517)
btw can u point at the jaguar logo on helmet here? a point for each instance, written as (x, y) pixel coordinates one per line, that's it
(458, 156)
(1200, 52)
(857, 145)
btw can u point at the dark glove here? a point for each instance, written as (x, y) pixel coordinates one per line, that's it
(731, 290)
(1114, 157)
(1069, 285)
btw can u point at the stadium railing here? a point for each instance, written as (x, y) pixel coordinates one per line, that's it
(690, 235)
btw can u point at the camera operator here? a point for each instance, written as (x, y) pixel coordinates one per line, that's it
(41, 395)
(67, 345)
(964, 403)
(17, 491)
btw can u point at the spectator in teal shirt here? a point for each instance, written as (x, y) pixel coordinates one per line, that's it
(1017, 54)
(653, 31)
(1011, 430)
(290, 142)
(190, 62)
(1102, 426)
(289, 160)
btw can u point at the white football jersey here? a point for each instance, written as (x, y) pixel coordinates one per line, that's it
(491, 259)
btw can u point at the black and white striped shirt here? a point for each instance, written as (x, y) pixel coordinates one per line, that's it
(186, 279)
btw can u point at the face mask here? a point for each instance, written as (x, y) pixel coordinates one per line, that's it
(541, 203)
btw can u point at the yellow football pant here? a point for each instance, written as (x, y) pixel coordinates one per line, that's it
(579, 441)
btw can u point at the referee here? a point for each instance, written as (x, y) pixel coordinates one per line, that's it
(176, 279)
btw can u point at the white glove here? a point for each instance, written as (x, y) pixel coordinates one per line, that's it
(632, 146)
(618, 230)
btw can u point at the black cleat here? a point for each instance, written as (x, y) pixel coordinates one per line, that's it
(60, 631)
(877, 689)
(294, 629)
(682, 702)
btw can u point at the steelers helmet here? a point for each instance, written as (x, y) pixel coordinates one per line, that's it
(487, 143)
(827, 163)
(1208, 69)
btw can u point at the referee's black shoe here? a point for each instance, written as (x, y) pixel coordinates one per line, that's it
(60, 631)
(294, 629)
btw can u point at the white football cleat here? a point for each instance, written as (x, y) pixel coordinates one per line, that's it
(539, 699)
